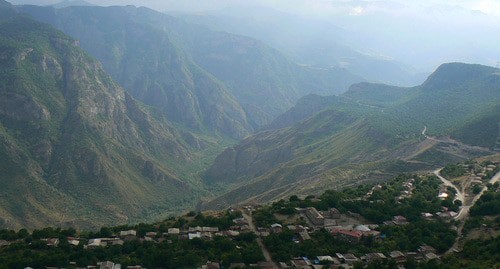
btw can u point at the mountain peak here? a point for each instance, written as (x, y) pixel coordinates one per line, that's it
(453, 74)
(7, 10)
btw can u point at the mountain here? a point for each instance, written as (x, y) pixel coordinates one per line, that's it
(362, 135)
(146, 62)
(6, 10)
(68, 3)
(75, 148)
(308, 41)
(203, 78)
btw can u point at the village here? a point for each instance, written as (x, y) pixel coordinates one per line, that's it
(306, 223)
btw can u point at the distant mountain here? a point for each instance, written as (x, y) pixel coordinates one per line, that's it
(6, 10)
(308, 41)
(69, 3)
(198, 76)
(363, 135)
(75, 148)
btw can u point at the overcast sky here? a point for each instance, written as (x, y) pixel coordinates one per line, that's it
(450, 29)
(323, 7)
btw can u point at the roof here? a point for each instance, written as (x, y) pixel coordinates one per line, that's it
(325, 258)
(396, 254)
(356, 234)
(362, 228)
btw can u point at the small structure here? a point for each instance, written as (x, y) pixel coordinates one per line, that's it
(301, 263)
(192, 236)
(211, 265)
(304, 235)
(335, 213)
(276, 228)
(400, 220)
(53, 242)
(398, 256)
(174, 231)
(314, 216)
(237, 266)
(348, 236)
(443, 195)
(430, 256)
(371, 257)
(265, 265)
(426, 249)
(108, 265)
(348, 258)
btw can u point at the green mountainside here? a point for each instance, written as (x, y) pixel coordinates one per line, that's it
(75, 148)
(197, 76)
(146, 61)
(361, 135)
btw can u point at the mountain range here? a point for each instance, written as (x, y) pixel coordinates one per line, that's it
(169, 64)
(368, 132)
(309, 41)
(112, 115)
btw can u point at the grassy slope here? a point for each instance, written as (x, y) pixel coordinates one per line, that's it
(384, 136)
(76, 147)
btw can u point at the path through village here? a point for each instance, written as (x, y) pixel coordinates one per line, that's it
(265, 251)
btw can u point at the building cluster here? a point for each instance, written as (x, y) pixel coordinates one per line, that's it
(347, 260)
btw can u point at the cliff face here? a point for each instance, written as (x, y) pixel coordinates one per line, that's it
(73, 144)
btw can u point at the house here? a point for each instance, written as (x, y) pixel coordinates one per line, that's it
(348, 236)
(362, 228)
(151, 234)
(314, 216)
(265, 265)
(231, 233)
(52, 242)
(371, 257)
(427, 215)
(195, 229)
(348, 258)
(325, 258)
(210, 229)
(192, 236)
(276, 228)
(414, 255)
(334, 213)
(398, 256)
(4, 243)
(237, 266)
(430, 256)
(240, 221)
(96, 242)
(128, 233)
(301, 263)
(108, 265)
(73, 242)
(304, 235)
(400, 220)
(211, 265)
(443, 195)
(174, 231)
(426, 249)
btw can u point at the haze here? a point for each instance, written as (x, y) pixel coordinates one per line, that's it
(418, 34)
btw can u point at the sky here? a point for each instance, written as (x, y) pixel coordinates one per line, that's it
(322, 7)
(408, 30)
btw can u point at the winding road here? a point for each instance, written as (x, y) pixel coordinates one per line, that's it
(465, 208)
(459, 195)
(263, 247)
